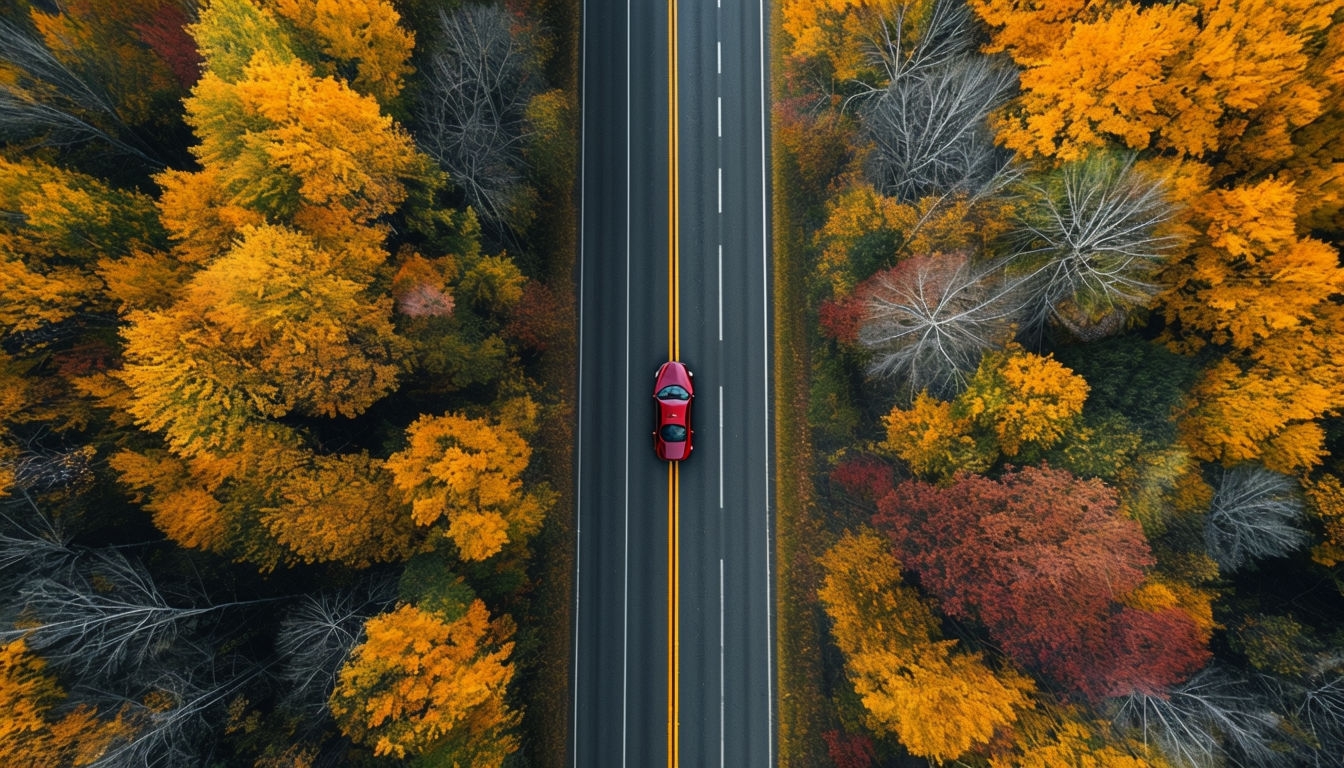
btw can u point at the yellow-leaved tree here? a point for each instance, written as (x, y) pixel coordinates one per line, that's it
(940, 702)
(61, 224)
(866, 230)
(293, 146)
(272, 327)
(932, 441)
(273, 312)
(363, 35)
(1325, 500)
(463, 476)
(1017, 401)
(420, 682)
(1026, 399)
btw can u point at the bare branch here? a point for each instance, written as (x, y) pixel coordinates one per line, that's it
(317, 636)
(172, 720)
(947, 33)
(930, 129)
(1255, 514)
(48, 101)
(1202, 721)
(101, 621)
(473, 120)
(1090, 235)
(43, 471)
(31, 544)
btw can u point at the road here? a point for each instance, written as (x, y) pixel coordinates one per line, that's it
(673, 638)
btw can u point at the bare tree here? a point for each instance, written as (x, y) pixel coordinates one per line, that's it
(929, 125)
(473, 118)
(317, 636)
(174, 718)
(1320, 712)
(1090, 235)
(31, 543)
(46, 101)
(1204, 721)
(102, 619)
(929, 319)
(1314, 706)
(1254, 514)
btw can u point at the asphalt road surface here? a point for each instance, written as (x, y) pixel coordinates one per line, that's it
(673, 638)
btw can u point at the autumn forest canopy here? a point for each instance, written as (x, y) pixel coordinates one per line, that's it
(274, 303)
(1074, 379)
(285, 305)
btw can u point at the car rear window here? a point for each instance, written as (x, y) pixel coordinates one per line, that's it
(673, 433)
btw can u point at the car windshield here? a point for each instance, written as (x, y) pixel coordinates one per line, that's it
(673, 392)
(673, 433)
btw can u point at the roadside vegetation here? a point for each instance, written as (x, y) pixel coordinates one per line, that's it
(285, 310)
(1065, 322)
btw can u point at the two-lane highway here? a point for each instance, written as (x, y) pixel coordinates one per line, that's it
(673, 641)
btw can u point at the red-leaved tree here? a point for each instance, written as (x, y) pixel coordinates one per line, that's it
(865, 477)
(1040, 558)
(849, 751)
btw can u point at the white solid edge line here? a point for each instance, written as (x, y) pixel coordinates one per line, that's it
(578, 475)
(722, 693)
(625, 525)
(765, 337)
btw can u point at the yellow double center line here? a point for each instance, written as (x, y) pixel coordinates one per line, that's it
(674, 353)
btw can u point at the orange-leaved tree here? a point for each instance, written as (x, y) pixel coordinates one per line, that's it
(1032, 30)
(1216, 76)
(272, 318)
(420, 682)
(1251, 285)
(273, 327)
(939, 701)
(39, 729)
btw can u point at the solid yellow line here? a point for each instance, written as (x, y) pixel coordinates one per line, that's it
(671, 185)
(674, 352)
(674, 191)
(676, 618)
(672, 665)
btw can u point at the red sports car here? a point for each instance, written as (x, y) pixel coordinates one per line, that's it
(673, 392)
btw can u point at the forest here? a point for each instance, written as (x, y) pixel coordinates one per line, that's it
(285, 307)
(1068, 382)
